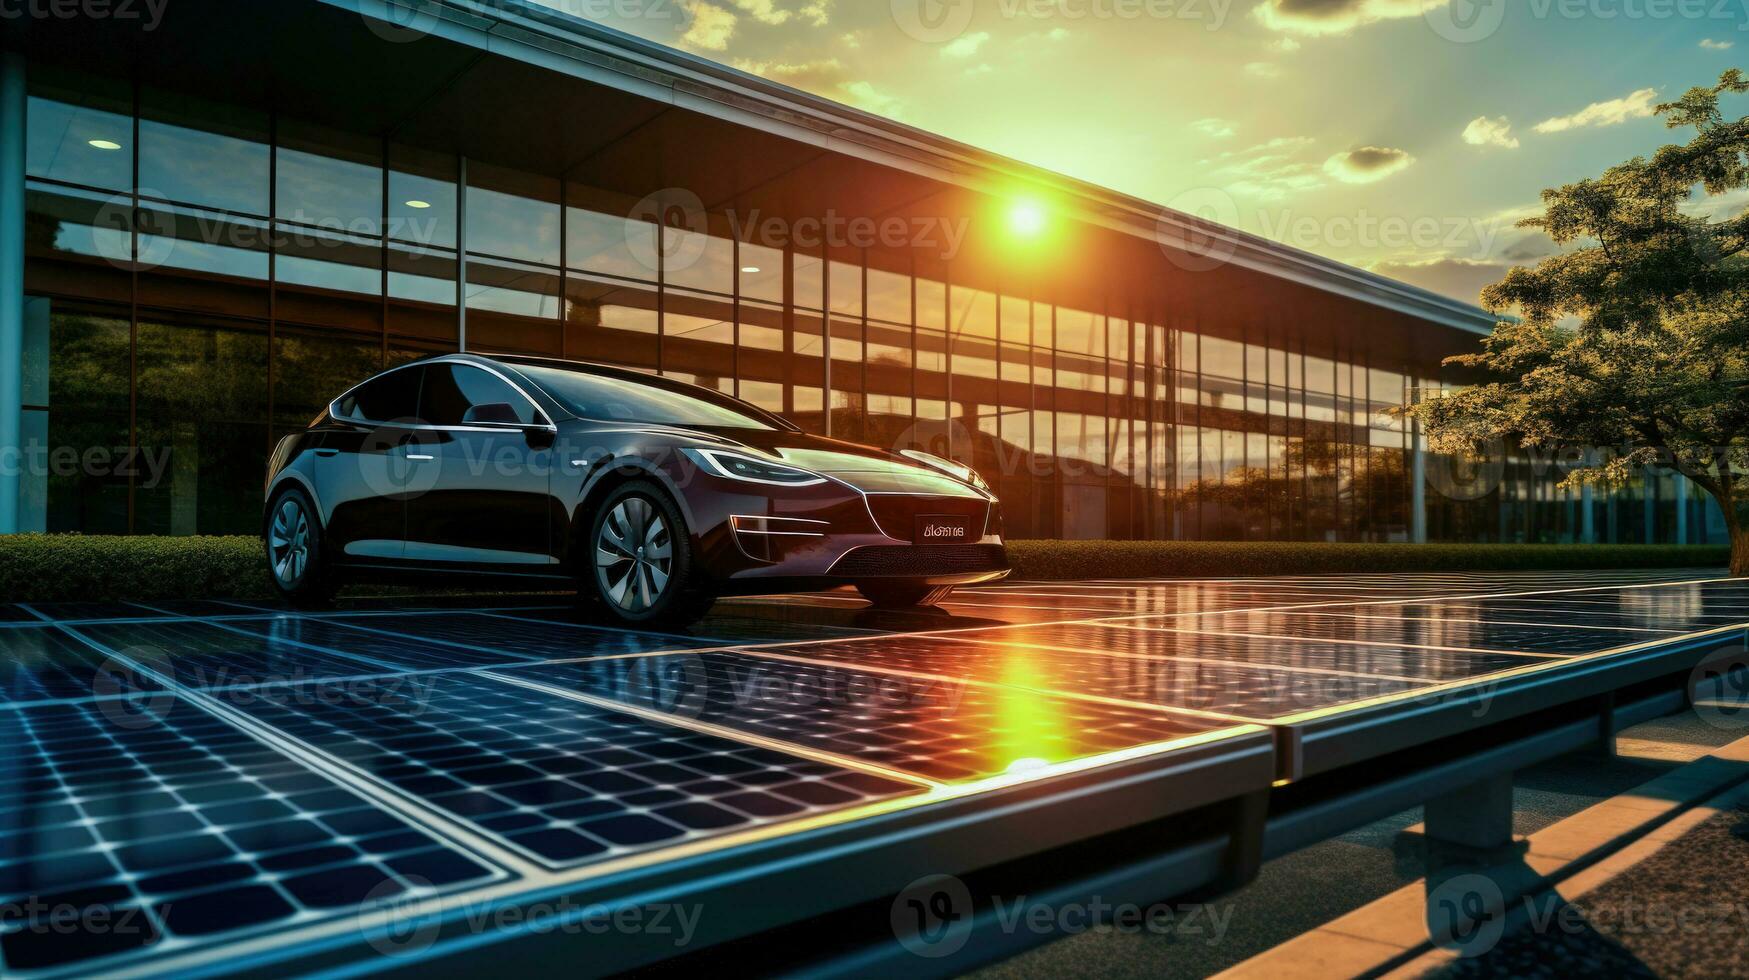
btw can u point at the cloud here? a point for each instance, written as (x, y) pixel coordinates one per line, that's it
(1284, 45)
(1214, 128)
(965, 45)
(827, 77)
(1461, 279)
(1058, 33)
(1263, 69)
(1712, 45)
(865, 96)
(1366, 164)
(763, 11)
(711, 26)
(1483, 131)
(1313, 18)
(817, 12)
(1637, 105)
(822, 76)
(1267, 171)
(981, 68)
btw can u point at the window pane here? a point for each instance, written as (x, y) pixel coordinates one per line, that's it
(513, 215)
(217, 162)
(393, 396)
(456, 394)
(329, 180)
(79, 143)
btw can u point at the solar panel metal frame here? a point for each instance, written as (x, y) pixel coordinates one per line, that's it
(803, 873)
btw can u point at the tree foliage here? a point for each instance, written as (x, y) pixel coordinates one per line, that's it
(1634, 338)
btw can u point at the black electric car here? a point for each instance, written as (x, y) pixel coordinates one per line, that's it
(653, 497)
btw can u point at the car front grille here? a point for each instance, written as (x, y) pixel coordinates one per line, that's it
(920, 561)
(897, 513)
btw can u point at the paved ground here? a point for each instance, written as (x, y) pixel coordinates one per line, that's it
(225, 772)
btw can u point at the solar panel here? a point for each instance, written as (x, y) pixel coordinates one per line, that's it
(564, 782)
(413, 749)
(129, 834)
(932, 728)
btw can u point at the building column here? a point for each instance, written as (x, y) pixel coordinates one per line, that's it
(12, 134)
(1417, 486)
(1681, 483)
(1587, 516)
(1650, 489)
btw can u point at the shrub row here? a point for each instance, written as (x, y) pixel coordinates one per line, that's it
(70, 567)
(1150, 559)
(76, 567)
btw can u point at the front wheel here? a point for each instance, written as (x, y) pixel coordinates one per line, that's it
(899, 595)
(640, 559)
(296, 561)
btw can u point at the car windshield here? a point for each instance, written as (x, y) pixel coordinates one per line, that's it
(600, 396)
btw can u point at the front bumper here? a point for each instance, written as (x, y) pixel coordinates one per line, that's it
(836, 534)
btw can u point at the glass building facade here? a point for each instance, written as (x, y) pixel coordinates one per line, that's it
(203, 275)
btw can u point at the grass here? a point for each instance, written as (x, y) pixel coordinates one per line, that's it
(71, 567)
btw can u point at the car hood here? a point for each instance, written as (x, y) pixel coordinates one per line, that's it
(865, 467)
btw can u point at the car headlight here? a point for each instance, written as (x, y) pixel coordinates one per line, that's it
(749, 469)
(959, 471)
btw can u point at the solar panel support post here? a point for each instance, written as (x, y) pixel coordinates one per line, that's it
(1244, 855)
(1471, 824)
(1606, 725)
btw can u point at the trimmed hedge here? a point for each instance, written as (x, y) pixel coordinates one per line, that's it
(72, 567)
(1153, 559)
(76, 567)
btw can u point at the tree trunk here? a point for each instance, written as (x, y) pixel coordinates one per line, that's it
(1739, 552)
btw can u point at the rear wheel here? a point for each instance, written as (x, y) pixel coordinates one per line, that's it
(901, 595)
(640, 556)
(296, 559)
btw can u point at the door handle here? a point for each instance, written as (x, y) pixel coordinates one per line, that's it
(327, 452)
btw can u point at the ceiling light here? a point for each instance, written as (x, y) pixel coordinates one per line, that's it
(420, 205)
(750, 269)
(106, 144)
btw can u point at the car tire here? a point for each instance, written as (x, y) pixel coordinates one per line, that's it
(638, 564)
(903, 595)
(297, 560)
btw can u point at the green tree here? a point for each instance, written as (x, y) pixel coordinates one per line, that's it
(1636, 335)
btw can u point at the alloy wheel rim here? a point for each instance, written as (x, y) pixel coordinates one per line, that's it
(288, 542)
(634, 555)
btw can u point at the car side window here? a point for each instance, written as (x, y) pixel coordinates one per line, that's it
(386, 398)
(459, 394)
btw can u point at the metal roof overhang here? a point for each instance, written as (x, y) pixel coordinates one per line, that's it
(482, 78)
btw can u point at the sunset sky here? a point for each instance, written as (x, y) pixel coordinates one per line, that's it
(1404, 136)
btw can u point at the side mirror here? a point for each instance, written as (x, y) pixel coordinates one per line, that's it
(540, 436)
(491, 413)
